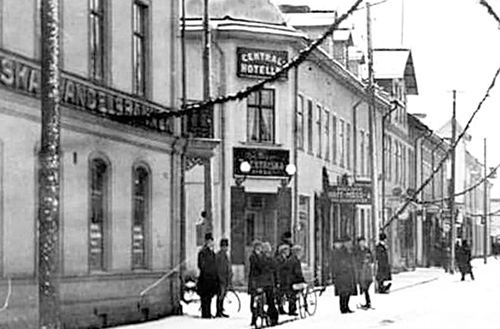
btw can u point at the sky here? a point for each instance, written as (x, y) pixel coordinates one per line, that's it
(455, 46)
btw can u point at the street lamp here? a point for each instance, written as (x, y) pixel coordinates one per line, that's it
(290, 170)
(245, 168)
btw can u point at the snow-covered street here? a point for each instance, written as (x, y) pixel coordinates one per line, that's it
(424, 298)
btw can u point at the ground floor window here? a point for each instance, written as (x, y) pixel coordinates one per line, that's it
(302, 229)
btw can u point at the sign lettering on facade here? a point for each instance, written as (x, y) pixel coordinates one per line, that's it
(263, 162)
(259, 63)
(24, 77)
(350, 194)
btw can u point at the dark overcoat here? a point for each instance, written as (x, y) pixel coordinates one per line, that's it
(463, 259)
(364, 262)
(289, 272)
(208, 280)
(224, 271)
(344, 272)
(383, 266)
(254, 272)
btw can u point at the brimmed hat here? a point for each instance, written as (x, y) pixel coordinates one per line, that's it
(382, 236)
(209, 236)
(224, 242)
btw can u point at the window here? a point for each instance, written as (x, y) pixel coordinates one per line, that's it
(368, 151)
(327, 135)
(38, 29)
(319, 129)
(389, 158)
(303, 227)
(140, 49)
(99, 189)
(300, 122)
(309, 125)
(348, 145)
(334, 139)
(362, 152)
(261, 116)
(97, 39)
(342, 143)
(140, 212)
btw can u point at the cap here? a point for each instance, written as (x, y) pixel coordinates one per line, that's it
(208, 236)
(224, 242)
(382, 236)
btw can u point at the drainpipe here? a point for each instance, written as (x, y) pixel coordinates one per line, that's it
(222, 135)
(295, 155)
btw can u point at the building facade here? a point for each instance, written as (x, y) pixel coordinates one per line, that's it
(121, 213)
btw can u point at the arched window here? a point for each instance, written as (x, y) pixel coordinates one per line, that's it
(99, 196)
(140, 201)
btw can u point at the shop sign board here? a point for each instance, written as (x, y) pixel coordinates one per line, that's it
(263, 162)
(354, 194)
(260, 63)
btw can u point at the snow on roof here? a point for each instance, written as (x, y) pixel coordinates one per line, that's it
(310, 19)
(255, 10)
(395, 64)
(343, 35)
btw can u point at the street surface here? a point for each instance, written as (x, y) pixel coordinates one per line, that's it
(424, 298)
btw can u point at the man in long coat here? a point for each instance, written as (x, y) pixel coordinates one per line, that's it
(344, 274)
(208, 281)
(383, 266)
(224, 275)
(364, 263)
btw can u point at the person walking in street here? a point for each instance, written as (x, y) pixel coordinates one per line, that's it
(254, 272)
(269, 280)
(383, 266)
(224, 275)
(463, 260)
(296, 276)
(344, 276)
(284, 273)
(364, 264)
(207, 281)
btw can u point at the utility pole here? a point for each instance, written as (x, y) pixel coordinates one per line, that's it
(207, 163)
(371, 129)
(485, 208)
(452, 187)
(49, 174)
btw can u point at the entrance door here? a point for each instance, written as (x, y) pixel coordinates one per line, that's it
(262, 225)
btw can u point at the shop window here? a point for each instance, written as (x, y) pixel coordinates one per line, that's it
(260, 125)
(97, 39)
(300, 122)
(250, 228)
(140, 47)
(99, 217)
(141, 205)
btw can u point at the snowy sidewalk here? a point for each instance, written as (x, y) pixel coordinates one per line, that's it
(326, 303)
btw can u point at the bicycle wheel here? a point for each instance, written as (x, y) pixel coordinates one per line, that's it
(302, 305)
(232, 303)
(311, 302)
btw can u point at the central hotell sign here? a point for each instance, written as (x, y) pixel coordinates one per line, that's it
(358, 194)
(260, 63)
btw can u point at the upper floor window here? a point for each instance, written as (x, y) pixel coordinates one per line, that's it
(300, 122)
(141, 200)
(362, 152)
(348, 145)
(99, 218)
(97, 35)
(334, 139)
(327, 135)
(260, 122)
(140, 47)
(309, 126)
(319, 129)
(342, 143)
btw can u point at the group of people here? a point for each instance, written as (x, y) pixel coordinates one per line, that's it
(215, 276)
(275, 274)
(352, 267)
(463, 258)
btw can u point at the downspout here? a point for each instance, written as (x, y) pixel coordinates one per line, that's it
(222, 134)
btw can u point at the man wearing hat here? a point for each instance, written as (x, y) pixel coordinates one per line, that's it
(383, 266)
(344, 275)
(224, 274)
(208, 280)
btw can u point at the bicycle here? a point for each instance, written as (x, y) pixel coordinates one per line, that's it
(307, 298)
(232, 302)
(262, 319)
